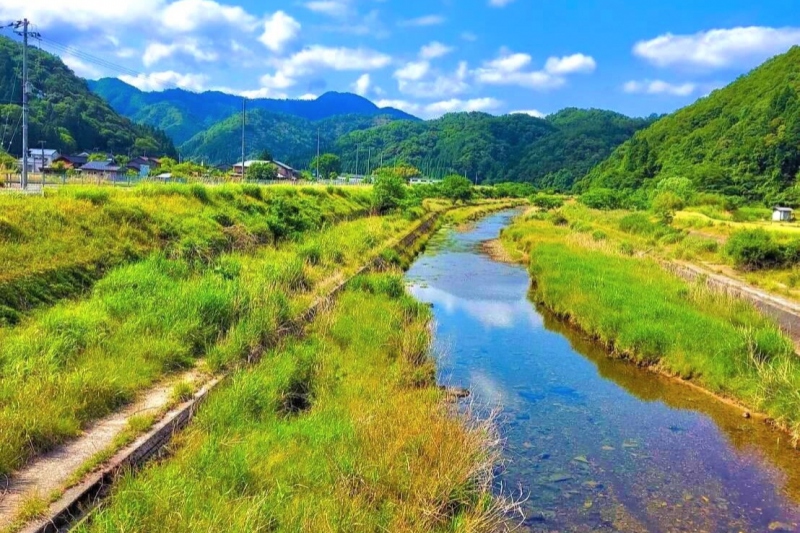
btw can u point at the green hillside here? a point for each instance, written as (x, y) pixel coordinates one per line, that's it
(551, 152)
(743, 140)
(64, 113)
(288, 138)
(184, 114)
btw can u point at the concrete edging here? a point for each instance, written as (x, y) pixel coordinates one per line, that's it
(77, 502)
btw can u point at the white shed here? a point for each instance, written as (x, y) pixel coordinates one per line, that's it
(782, 214)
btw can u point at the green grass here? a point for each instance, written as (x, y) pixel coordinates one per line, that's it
(644, 313)
(56, 246)
(342, 431)
(65, 366)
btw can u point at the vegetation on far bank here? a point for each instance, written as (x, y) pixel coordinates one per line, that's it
(587, 267)
(334, 432)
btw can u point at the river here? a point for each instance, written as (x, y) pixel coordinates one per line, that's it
(593, 443)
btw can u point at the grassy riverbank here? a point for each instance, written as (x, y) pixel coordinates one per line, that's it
(334, 432)
(56, 246)
(640, 311)
(65, 366)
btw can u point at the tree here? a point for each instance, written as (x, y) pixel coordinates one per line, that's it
(265, 155)
(388, 192)
(59, 167)
(98, 157)
(122, 160)
(262, 172)
(403, 171)
(457, 188)
(328, 164)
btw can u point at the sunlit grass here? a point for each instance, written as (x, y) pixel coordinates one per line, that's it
(342, 431)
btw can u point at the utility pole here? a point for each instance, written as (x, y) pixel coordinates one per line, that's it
(41, 168)
(318, 178)
(244, 122)
(24, 24)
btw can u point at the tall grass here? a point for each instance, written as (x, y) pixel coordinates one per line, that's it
(342, 431)
(56, 246)
(68, 365)
(644, 313)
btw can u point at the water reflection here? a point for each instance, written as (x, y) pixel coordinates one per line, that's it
(599, 444)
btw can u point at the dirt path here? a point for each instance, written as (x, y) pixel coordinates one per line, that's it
(783, 310)
(48, 474)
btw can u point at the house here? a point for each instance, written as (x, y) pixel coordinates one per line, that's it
(237, 168)
(71, 162)
(39, 159)
(285, 172)
(782, 214)
(102, 169)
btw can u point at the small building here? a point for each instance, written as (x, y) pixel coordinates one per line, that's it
(38, 159)
(71, 162)
(285, 172)
(237, 168)
(102, 169)
(782, 214)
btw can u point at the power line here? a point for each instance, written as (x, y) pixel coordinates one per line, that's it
(87, 57)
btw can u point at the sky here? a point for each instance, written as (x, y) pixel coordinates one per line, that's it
(427, 57)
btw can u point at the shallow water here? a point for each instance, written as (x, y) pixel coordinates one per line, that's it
(593, 443)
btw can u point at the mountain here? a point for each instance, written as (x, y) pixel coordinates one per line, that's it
(288, 138)
(184, 114)
(65, 114)
(551, 152)
(742, 140)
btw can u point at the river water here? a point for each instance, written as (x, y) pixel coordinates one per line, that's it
(592, 443)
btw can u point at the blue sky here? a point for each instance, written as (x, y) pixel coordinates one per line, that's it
(426, 57)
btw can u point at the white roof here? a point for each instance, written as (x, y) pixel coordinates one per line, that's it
(165, 176)
(784, 209)
(248, 163)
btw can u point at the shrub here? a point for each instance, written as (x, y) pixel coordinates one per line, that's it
(95, 196)
(547, 202)
(388, 193)
(558, 219)
(599, 235)
(754, 250)
(637, 224)
(601, 199)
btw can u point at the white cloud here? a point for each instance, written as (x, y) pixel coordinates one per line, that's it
(576, 63)
(413, 71)
(155, 52)
(276, 81)
(438, 109)
(279, 30)
(362, 85)
(427, 20)
(718, 48)
(313, 58)
(191, 15)
(499, 3)
(659, 87)
(417, 79)
(307, 96)
(81, 14)
(158, 81)
(82, 69)
(332, 8)
(510, 69)
(434, 50)
(530, 112)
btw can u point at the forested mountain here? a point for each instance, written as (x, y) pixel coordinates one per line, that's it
(184, 114)
(551, 152)
(743, 140)
(65, 114)
(288, 138)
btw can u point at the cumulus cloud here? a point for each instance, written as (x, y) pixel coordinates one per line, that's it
(81, 14)
(81, 68)
(437, 109)
(279, 30)
(332, 8)
(279, 80)
(718, 48)
(155, 52)
(191, 15)
(317, 57)
(512, 69)
(418, 79)
(158, 81)
(434, 50)
(426, 20)
(530, 112)
(659, 87)
(362, 85)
